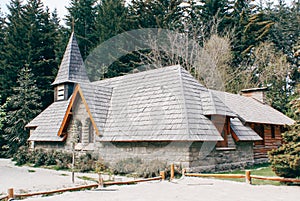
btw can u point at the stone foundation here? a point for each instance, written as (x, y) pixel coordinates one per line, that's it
(194, 156)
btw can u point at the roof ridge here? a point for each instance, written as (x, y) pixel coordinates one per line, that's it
(135, 74)
(184, 100)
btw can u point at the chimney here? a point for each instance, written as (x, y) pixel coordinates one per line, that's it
(256, 93)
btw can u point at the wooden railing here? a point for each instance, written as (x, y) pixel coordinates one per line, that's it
(247, 176)
(10, 192)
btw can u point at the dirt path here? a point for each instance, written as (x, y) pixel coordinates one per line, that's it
(187, 189)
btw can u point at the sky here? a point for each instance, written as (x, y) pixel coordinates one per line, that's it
(52, 4)
(60, 5)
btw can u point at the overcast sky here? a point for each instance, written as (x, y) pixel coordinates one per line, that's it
(60, 5)
(52, 4)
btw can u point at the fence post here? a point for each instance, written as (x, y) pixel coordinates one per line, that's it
(248, 177)
(10, 193)
(162, 174)
(100, 181)
(172, 171)
(183, 172)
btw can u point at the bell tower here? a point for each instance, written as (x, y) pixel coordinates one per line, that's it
(71, 71)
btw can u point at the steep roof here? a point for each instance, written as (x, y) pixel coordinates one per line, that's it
(98, 102)
(253, 111)
(243, 132)
(72, 67)
(48, 122)
(156, 105)
(213, 104)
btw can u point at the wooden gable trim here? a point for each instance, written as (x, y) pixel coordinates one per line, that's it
(89, 112)
(77, 91)
(68, 112)
(234, 135)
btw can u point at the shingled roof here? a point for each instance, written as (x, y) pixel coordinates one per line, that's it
(243, 132)
(157, 105)
(98, 101)
(72, 67)
(253, 111)
(48, 122)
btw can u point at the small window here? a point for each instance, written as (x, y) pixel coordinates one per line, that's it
(89, 130)
(77, 129)
(91, 133)
(61, 92)
(272, 131)
(260, 130)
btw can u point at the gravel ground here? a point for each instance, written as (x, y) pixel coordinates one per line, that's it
(185, 189)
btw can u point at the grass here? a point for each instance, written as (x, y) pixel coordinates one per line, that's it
(31, 170)
(87, 178)
(260, 170)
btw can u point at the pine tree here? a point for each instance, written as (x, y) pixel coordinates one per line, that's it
(14, 50)
(24, 104)
(111, 19)
(30, 38)
(83, 14)
(165, 14)
(285, 160)
(41, 40)
(2, 140)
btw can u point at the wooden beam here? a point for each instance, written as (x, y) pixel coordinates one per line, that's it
(172, 172)
(231, 176)
(248, 176)
(10, 193)
(88, 111)
(65, 120)
(162, 175)
(276, 179)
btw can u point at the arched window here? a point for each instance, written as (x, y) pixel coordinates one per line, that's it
(77, 131)
(90, 127)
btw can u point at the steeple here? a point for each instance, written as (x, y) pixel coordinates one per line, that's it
(71, 71)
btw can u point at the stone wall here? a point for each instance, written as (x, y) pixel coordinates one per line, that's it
(50, 145)
(170, 152)
(221, 159)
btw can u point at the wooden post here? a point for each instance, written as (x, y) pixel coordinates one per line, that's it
(73, 163)
(172, 171)
(101, 182)
(248, 177)
(163, 175)
(10, 193)
(183, 172)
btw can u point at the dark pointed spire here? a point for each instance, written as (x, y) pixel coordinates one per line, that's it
(71, 69)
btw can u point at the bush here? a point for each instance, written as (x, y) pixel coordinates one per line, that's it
(42, 157)
(21, 156)
(285, 161)
(139, 167)
(86, 163)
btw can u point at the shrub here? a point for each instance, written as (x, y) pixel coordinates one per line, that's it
(139, 167)
(40, 157)
(285, 161)
(86, 162)
(21, 156)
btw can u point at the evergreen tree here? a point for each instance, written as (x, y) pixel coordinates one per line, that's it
(41, 44)
(29, 38)
(111, 19)
(285, 160)
(2, 140)
(165, 14)
(83, 14)
(24, 104)
(14, 50)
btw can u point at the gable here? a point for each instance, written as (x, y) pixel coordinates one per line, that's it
(78, 100)
(251, 110)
